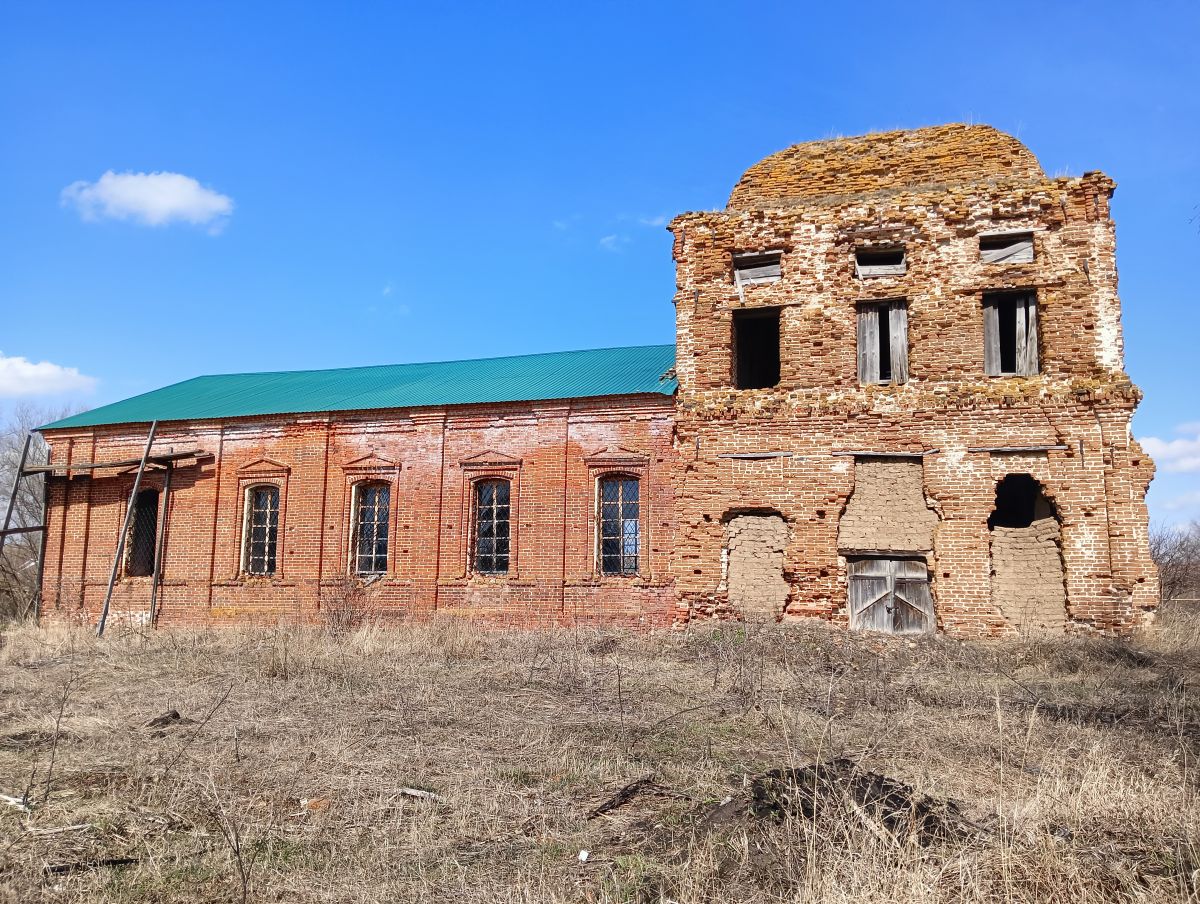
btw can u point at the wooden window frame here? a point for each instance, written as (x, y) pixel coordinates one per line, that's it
(755, 268)
(1010, 247)
(874, 271)
(868, 314)
(1027, 334)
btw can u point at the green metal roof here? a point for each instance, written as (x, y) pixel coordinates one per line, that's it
(521, 378)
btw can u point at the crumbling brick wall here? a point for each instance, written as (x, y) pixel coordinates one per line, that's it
(789, 447)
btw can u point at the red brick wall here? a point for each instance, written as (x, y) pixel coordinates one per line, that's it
(552, 451)
(1082, 399)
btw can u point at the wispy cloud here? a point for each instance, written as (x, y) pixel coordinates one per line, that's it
(660, 220)
(1180, 455)
(1182, 501)
(150, 199)
(388, 290)
(614, 242)
(22, 377)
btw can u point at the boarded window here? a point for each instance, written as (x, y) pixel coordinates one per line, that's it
(619, 525)
(869, 262)
(750, 269)
(1006, 248)
(756, 348)
(890, 595)
(262, 529)
(883, 342)
(1010, 334)
(143, 535)
(371, 514)
(492, 526)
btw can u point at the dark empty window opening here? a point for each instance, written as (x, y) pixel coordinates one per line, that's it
(883, 342)
(372, 510)
(492, 526)
(262, 529)
(1017, 498)
(143, 535)
(760, 267)
(1006, 248)
(870, 262)
(1010, 333)
(756, 348)
(619, 525)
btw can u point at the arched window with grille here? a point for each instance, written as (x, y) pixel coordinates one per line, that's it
(143, 535)
(492, 527)
(620, 524)
(372, 510)
(261, 529)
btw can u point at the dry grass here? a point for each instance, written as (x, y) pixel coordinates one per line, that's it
(1075, 763)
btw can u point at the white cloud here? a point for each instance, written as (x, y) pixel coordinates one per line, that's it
(614, 242)
(1176, 455)
(659, 220)
(22, 377)
(388, 290)
(152, 199)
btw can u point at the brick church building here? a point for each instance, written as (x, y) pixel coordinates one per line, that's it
(896, 401)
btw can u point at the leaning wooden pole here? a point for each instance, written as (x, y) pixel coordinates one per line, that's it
(41, 560)
(112, 575)
(160, 546)
(16, 485)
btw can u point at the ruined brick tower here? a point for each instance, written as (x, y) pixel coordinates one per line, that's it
(902, 402)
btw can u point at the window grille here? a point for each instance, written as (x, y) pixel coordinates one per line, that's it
(143, 535)
(492, 527)
(619, 525)
(262, 529)
(371, 528)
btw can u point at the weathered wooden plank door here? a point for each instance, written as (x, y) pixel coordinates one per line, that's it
(890, 595)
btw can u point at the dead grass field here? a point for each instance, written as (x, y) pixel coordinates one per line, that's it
(1025, 771)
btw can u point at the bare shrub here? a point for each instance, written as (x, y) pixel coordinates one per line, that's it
(343, 606)
(18, 563)
(1176, 551)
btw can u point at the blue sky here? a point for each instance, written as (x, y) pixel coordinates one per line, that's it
(380, 183)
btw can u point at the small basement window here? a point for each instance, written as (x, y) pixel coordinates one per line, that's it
(760, 267)
(756, 348)
(870, 262)
(883, 342)
(1010, 334)
(1006, 248)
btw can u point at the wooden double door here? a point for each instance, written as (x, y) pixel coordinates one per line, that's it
(890, 595)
